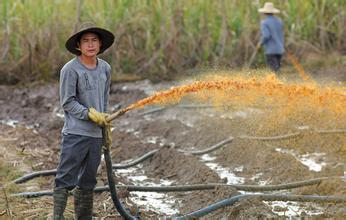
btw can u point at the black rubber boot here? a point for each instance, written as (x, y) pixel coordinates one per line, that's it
(60, 200)
(83, 204)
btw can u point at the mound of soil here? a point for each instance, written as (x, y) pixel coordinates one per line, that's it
(186, 169)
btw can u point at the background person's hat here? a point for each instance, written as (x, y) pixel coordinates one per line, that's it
(269, 8)
(106, 36)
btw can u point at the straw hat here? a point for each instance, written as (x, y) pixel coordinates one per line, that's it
(106, 37)
(269, 9)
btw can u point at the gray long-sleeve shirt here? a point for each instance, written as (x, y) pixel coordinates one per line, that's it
(272, 35)
(80, 89)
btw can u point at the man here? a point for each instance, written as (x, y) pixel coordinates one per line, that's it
(272, 36)
(84, 91)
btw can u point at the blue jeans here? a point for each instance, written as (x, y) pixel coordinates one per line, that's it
(79, 159)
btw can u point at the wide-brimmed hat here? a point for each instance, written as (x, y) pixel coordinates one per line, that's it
(106, 37)
(269, 9)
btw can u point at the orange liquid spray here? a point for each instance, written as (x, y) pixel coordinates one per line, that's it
(246, 91)
(298, 67)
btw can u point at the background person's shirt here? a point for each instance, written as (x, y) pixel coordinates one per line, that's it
(272, 35)
(80, 89)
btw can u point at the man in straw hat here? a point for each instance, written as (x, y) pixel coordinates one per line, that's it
(272, 36)
(84, 90)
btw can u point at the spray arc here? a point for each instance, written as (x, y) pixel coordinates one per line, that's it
(231, 90)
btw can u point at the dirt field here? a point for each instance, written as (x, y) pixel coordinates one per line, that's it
(30, 137)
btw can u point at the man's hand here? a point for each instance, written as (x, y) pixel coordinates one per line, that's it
(98, 117)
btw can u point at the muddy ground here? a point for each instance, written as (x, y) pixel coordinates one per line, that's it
(30, 136)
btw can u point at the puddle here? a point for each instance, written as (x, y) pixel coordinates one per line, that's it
(288, 209)
(10, 122)
(152, 139)
(309, 160)
(32, 127)
(15, 123)
(60, 115)
(131, 131)
(159, 141)
(256, 177)
(221, 171)
(239, 169)
(157, 202)
(161, 203)
(207, 157)
(294, 209)
(58, 112)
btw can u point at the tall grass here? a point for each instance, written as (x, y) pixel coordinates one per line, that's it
(159, 38)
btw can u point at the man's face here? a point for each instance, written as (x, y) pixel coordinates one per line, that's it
(89, 44)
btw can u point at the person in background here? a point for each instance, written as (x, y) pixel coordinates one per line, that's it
(84, 91)
(272, 37)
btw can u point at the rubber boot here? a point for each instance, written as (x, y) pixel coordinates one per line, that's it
(83, 204)
(60, 200)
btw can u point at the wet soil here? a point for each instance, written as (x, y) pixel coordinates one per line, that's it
(32, 144)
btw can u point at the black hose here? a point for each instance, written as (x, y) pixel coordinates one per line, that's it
(151, 153)
(152, 111)
(210, 149)
(273, 138)
(111, 184)
(265, 197)
(183, 188)
(136, 161)
(32, 194)
(334, 131)
(107, 144)
(34, 175)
